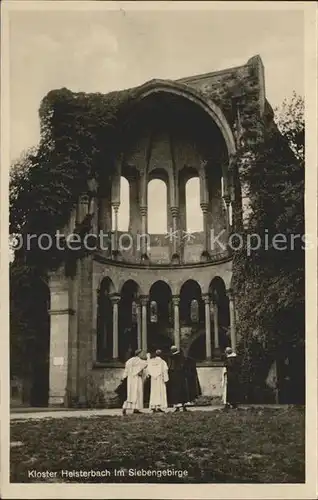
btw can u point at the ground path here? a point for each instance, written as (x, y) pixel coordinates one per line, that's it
(41, 413)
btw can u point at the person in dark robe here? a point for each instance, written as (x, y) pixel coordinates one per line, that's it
(177, 385)
(231, 377)
(192, 381)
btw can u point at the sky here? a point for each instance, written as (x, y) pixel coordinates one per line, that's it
(101, 51)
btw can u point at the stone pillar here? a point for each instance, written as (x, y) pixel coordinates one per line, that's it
(144, 303)
(182, 216)
(175, 240)
(139, 325)
(232, 318)
(144, 213)
(115, 301)
(204, 208)
(216, 327)
(176, 302)
(227, 201)
(208, 343)
(144, 231)
(59, 340)
(115, 206)
(204, 204)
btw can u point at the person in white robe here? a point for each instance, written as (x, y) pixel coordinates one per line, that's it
(157, 370)
(135, 374)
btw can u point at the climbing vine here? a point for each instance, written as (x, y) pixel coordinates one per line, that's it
(269, 281)
(80, 134)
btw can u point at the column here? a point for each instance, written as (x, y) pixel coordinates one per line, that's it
(204, 208)
(208, 344)
(144, 213)
(144, 231)
(232, 318)
(204, 204)
(59, 340)
(216, 326)
(115, 206)
(144, 303)
(227, 201)
(176, 302)
(115, 301)
(139, 337)
(115, 203)
(175, 240)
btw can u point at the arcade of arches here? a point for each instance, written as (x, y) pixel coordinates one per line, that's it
(202, 324)
(120, 299)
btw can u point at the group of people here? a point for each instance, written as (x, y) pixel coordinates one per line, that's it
(173, 381)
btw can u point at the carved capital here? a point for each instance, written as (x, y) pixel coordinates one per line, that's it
(174, 211)
(143, 211)
(84, 199)
(176, 300)
(144, 299)
(116, 205)
(115, 298)
(204, 207)
(206, 298)
(229, 293)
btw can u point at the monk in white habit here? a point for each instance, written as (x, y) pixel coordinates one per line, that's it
(157, 370)
(135, 374)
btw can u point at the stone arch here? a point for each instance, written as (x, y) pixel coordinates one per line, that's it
(218, 295)
(164, 280)
(104, 327)
(159, 331)
(127, 321)
(183, 90)
(189, 278)
(107, 283)
(131, 283)
(189, 291)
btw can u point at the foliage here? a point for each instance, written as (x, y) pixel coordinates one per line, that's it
(79, 137)
(29, 322)
(243, 446)
(269, 281)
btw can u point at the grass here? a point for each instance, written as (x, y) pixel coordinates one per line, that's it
(243, 446)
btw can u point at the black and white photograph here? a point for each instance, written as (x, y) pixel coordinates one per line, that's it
(160, 249)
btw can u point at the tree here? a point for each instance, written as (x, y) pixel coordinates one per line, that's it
(269, 281)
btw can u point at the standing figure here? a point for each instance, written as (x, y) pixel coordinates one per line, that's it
(177, 386)
(192, 381)
(134, 373)
(157, 370)
(231, 379)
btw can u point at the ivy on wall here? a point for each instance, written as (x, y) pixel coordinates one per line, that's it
(269, 281)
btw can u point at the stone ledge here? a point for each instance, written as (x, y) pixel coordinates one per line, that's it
(150, 266)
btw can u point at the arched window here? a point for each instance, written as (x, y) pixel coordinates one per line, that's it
(153, 312)
(193, 209)
(124, 208)
(157, 207)
(194, 311)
